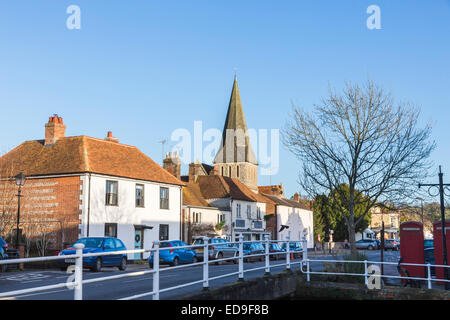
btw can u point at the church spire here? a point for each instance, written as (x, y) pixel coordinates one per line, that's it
(235, 146)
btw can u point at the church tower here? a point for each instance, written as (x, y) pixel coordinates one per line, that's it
(235, 157)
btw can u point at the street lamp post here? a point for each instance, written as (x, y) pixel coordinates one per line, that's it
(421, 207)
(441, 186)
(20, 182)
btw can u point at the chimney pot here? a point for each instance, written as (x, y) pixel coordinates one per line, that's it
(54, 130)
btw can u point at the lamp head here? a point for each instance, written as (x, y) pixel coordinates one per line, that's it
(20, 179)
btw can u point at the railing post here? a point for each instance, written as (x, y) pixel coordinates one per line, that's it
(205, 263)
(366, 281)
(288, 254)
(78, 290)
(241, 258)
(267, 254)
(307, 270)
(156, 270)
(429, 275)
(305, 249)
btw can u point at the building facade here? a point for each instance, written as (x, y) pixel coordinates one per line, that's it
(84, 187)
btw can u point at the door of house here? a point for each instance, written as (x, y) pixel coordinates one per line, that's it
(138, 242)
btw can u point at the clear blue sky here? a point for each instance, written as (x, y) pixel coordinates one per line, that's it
(145, 68)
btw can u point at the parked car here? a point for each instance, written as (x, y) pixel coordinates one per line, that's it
(368, 244)
(174, 256)
(3, 254)
(378, 244)
(428, 243)
(391, 244)
(220, 249)
(252, 248)
(98, 245)
(277, 253)
(294, 247)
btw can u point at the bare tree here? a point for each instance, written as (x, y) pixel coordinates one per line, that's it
(8, 199)
(363, 139)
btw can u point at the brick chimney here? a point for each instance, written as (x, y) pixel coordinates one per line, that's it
(54, 130)
(172, 163)
(109, 137)
(297, 197)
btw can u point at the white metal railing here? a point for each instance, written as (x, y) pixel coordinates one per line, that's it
(77, 283)
(366, 274)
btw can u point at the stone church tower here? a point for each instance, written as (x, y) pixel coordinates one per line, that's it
(235, 157)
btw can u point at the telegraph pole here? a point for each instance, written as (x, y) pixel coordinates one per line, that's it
(441, 186)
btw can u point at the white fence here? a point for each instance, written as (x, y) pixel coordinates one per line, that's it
(305, 263)
(78, 282)
(367, 274)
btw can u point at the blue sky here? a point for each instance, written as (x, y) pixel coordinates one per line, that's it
(145, 68)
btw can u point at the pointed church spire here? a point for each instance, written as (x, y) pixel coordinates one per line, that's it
(235, 146)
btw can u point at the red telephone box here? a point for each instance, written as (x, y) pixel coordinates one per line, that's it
(411, 247)
(438, 251)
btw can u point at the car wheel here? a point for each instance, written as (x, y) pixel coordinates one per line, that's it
(175, 262)
(98, 265)
(219, 256)
(123, 264)
(369, 248)
(194, 259)
(235, 260)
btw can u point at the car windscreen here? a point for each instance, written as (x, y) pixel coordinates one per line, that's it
(275, 246)
(91, 242)
(165, 244)
(258, 246)
(198, 241)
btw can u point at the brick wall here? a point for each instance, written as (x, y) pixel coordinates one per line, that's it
(50, 206)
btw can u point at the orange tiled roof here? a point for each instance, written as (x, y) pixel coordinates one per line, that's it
(216, 186)
(83, 154)
(192, 196)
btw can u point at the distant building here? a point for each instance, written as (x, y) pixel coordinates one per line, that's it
(292, 219)
(391, 222)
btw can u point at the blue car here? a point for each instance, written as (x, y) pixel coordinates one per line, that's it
(3, 254)
(174, 256)
(253, 248)
(100, 245)
(295, 248)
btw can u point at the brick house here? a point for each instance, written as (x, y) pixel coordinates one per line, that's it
(82, 186)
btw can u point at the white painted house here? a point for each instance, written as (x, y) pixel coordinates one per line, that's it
(87, 187)
(133, 210)
(292, 219)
